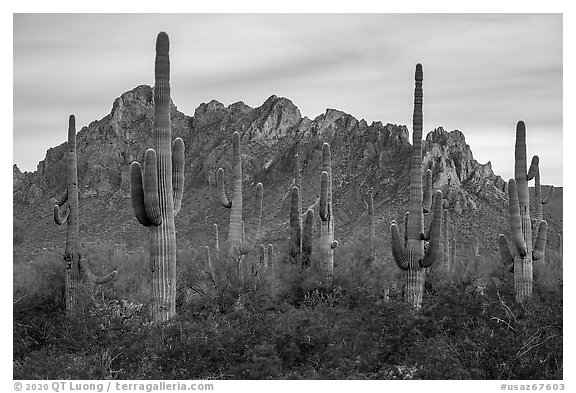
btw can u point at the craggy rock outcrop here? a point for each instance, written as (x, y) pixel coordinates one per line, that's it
(457, 174)
(364, 155)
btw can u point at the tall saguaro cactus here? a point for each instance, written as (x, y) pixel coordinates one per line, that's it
(520, 261)
(78, 272)
(411, 258)
(157, 190)
(239, 243)
(327, 243)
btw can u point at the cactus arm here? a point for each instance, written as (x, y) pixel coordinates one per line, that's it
(137, 194)
(427, 197)
(434, 245)
(514, 219)
(398, 251)
(540, 245)
(295, 241)
(60, 217)
(177, 173)
(150, 182)
(533, 168)
(505, 254)
(224, 201)
(62, 200)
(324, 202)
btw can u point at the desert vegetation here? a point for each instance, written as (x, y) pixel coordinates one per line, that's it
(419, 306)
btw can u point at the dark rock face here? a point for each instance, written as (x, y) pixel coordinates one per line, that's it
(363, 155)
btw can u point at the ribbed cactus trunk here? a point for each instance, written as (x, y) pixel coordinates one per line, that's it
(327, 243)
(520, 222)
(412, 257)
(241, 241)
(73, 278)
(157, 192)
(163, 236)
(235, 228)
(295, 238)
(78, 275)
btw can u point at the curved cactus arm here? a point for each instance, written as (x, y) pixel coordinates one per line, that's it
(550, 195)
(137, 194)
(505, 254)
(224, 201)
(62, 200)
(398, 251)
(533, 168)
(150, 181)
(540, 245)
(514, 219)
(85, 266)
(427, 192)
(60, 217)
(324, 201)
(434, 245)
(177, 173)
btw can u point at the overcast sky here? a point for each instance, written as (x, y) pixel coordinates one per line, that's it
(482, 73)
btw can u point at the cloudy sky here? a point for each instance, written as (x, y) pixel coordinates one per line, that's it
(482, 72)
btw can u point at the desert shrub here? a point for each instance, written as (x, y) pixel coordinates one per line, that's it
(240, 322)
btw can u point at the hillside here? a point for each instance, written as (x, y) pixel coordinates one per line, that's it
(364, 155)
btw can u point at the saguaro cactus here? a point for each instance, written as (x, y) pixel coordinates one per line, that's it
(239, 243)
(157, 190)
(78, 270)
(371, 228)
(327, 243)
(300, 241)
(520, 261)
(411, 258)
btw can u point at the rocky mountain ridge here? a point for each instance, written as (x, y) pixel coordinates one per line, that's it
(364, 155)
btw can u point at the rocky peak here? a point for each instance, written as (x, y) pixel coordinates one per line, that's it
(454, 169)
(273, 120)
